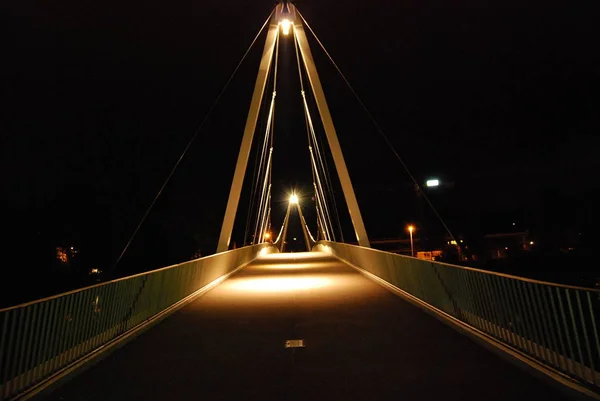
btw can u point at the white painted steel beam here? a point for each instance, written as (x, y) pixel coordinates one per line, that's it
(242, 162)
(332, 139)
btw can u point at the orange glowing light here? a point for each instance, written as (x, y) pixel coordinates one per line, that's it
(285, 26)
(280, 284)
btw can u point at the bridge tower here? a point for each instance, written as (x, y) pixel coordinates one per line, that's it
(284, 18)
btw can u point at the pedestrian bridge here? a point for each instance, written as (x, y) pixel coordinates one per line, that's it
(341, 322)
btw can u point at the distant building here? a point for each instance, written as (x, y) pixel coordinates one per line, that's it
(500, 245)
(430, 255)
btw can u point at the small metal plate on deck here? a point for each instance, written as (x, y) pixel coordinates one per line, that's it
(294, 344)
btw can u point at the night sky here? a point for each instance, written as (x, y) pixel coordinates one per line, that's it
(498, 99)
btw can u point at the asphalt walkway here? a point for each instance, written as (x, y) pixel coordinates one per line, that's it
(361, 342)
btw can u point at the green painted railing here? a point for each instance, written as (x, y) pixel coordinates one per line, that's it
(41, 338)
(556, 325)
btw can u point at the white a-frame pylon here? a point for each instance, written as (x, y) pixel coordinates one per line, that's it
(285, 17)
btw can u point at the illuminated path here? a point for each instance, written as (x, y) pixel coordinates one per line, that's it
(362, 343)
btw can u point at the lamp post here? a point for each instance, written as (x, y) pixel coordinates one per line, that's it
(411, 228)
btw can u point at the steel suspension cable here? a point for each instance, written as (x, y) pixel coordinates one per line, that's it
(380, 131)
(321, 160)
(195, 134)
(265, 200)
(314, 162)
(319, 191)
(255, 180)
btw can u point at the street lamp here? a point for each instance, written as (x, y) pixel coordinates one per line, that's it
(411, 228)
(285, 26)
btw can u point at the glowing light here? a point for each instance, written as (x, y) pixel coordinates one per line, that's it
(61, 255)
(294, 198)
(432, 183)
(267, 235)
(411, 228)
(453, 242)
(531, 242)
(283, 284)
(285, 26)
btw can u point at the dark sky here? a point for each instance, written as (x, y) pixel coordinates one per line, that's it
(499, 99)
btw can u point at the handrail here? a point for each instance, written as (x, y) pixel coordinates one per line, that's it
(530, 280)
(41, 338)
(553, 324)
(24, 304)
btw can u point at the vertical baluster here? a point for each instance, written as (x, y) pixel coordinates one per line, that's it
(103, 318)
(75, 326)
(20, 361)
(12, 320)
(514, 316)
(57, 337)
(585, 337)
(85, 310)
(65, 330)
(48, 338)
(547, 321)
(485, 303)
(530, 312)
(575, 334)
(506, 311)
(559, 330)
(568, 336)
(536, 314)
(37, 343)
(462, 295)
(477, 299)
(113, 312)
(492, 306)
(528, 338)
(92, 324)
(594, 328)
(481, 301)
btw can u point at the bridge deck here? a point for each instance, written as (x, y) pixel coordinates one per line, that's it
(362, 343)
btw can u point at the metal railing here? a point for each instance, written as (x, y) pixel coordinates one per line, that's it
(40, 338)
(557, 325)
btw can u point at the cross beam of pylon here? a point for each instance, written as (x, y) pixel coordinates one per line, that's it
(286, 16)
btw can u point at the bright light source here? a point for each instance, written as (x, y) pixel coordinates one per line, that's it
(432, 183)
(411, 228)
(267, 235)
(285, 26)
(294, 198)
(531, 242)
